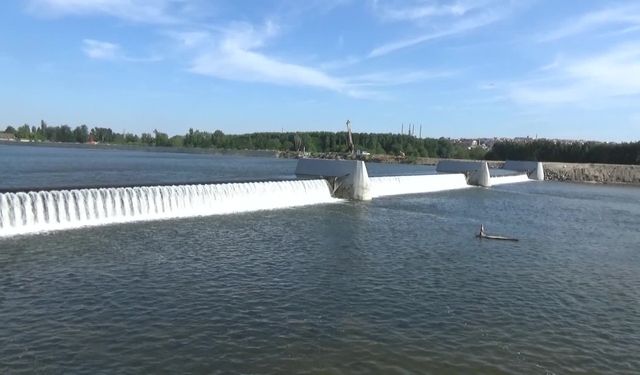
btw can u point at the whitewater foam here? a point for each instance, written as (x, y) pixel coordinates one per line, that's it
(399, 185)
(38, 211)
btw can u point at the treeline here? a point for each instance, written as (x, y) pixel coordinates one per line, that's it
(319, 142)
(574, 152)
(82, 134)
(328, 142)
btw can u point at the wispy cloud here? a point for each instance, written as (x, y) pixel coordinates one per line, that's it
(236, 56)
(144, 11)
(620, 18)
(437, 19)
(237, 51)
(421, 10)
(614, 73)
(398, 78)
(101, 50)
(456, 28)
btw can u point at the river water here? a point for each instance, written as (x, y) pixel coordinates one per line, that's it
(395, 285)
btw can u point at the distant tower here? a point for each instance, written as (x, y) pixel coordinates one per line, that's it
(350, 146)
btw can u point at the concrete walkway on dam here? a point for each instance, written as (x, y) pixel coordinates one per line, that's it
(349, 179)
(566, 172)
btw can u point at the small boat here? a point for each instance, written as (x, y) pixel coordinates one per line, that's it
(482, 235)
(489, 237)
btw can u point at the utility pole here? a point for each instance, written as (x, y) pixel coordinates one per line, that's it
(350, 146)
(420, 131)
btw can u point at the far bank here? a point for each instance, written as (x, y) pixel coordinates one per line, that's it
(554, 171)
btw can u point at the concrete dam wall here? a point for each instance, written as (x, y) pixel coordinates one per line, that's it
(321, 181)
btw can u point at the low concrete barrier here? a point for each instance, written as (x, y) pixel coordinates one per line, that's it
(533, 169)
(477, 172)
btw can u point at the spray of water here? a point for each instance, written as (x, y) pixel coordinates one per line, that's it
(23, 213)
(398, 185)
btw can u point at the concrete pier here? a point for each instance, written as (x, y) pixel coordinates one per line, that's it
(477, 172)
(533, 169)
(349, 178)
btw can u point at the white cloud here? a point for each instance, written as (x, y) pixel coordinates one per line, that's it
(98, 50)
(236, 52)
(145, 11)
(421, 11)
(236, 57)
(397, 78)
(623, 18)
(612, 74)
(189, 39)
(456, 28)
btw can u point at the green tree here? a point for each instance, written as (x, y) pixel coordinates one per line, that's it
(23, 132)
(147, 139)
(81, 133)
(161, 139)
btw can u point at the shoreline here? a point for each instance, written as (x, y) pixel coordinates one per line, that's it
(593, 173)
(606, 174)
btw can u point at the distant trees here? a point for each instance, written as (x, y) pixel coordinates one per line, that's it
(147, 139)
(161, 139)
(23, 131)
(570, 152)
(81, 134)
(328, 142)
(103, 135)
(325, 142)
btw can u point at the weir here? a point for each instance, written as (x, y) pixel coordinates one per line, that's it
(401, 185)
(30, 212)
(533, 169)
(349, 178)
(324, 181)
(477, 172)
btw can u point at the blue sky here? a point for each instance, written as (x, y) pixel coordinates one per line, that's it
(460, 68)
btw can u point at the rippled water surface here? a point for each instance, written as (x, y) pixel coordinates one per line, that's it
(395, 285)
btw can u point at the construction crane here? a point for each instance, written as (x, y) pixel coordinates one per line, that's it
(350, 148)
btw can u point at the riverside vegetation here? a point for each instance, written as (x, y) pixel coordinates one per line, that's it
(329, 142)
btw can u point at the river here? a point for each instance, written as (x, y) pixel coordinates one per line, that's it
(395, 285)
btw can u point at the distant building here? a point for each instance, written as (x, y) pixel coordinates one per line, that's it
(7, 137)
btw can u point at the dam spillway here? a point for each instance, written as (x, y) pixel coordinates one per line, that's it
(402, 185)
(325, 181)
(38, 211)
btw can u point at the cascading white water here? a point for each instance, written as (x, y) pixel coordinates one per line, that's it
(501, 180)
(22, 213)
(398, 185)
